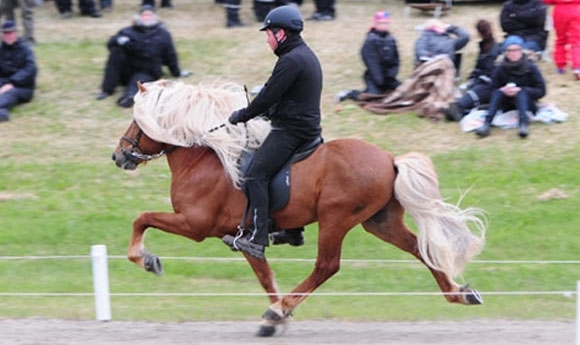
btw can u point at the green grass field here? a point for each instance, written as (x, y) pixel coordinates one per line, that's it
(60, 193)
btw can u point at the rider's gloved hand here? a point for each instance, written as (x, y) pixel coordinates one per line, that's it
(237, 116)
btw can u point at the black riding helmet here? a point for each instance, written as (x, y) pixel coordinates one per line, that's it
(286, 17)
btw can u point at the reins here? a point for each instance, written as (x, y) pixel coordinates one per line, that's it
(241, 229)
(224, 124)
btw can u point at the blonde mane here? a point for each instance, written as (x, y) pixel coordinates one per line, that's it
(183, 115)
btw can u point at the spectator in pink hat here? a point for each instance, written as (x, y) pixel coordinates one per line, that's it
(381, 58)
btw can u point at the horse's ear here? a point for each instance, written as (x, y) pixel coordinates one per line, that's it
(141, 87)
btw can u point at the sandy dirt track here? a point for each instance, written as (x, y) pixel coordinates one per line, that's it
(476, 332)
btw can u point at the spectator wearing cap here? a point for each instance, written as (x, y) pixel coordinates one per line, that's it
(517, 83)
(380, 56)
(17, 70)
(87, 8)
(7, 10)
(137, 53)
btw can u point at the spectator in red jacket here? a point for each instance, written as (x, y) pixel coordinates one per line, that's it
(566, 19)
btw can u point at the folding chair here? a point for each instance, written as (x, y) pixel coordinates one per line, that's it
(437, 7)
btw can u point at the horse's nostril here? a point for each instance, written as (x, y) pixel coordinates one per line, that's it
(113, 156)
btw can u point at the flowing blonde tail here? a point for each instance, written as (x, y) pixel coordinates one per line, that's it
(448, 237)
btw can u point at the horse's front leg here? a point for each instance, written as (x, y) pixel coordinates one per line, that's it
(174, 223)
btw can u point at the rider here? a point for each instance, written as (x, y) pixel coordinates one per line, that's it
(291, 100)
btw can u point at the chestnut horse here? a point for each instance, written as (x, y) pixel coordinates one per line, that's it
(343, 183)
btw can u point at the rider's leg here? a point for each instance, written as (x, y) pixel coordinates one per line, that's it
(278, 147)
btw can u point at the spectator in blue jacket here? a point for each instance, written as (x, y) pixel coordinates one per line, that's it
(439, 38)
(381, 58)
(17, 70)
(517, 83)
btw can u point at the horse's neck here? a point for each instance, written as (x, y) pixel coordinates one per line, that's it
(190, 159)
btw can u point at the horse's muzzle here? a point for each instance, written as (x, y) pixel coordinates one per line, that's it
(124, 160)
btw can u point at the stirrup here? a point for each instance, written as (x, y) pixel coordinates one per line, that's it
(244, 245)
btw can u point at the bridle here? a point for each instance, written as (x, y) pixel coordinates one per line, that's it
(135, 153)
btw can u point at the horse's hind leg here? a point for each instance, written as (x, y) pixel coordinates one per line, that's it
(388, 225)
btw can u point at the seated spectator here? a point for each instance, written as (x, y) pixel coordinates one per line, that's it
(17, 70)
(439, 38)
(381, 58)
(138, 53)
(525, 19)
(478, 90)
(517, 83)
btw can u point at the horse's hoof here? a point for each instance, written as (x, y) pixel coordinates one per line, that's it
(471, 296)
(152, 264)
(266, 331)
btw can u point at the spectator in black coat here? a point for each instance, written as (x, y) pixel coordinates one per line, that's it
(527, 20)
(381, 58)
(478, 86)
(138, 53)
(517, 83)
(17, 70)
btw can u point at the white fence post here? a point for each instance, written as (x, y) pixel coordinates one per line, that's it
(101, 282)
(578, 312)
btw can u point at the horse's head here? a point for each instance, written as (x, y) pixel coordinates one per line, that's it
(135, 147)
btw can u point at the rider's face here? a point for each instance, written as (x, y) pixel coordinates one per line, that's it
(274, 37)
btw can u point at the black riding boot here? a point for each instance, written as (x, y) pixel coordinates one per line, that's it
(524, 122)
(483, 131)
(293, 237)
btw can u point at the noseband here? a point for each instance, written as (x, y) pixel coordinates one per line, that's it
(135, 153)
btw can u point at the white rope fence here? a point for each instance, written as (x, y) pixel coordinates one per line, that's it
(102, 294)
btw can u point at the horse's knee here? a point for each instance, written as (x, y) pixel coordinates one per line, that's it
(327, 269)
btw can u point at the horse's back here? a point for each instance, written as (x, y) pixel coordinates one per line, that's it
(358, 156)
(347, 175)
